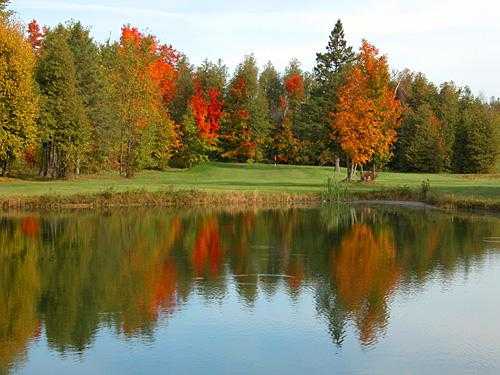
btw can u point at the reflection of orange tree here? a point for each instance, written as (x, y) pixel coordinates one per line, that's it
(365, 272)
(207, 255)
(151, 276)
(19, 290)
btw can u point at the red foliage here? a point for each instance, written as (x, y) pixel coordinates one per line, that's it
(35, 35)
(164, 58)
(207, 111)
(294, 85)
(30, 226)
(207, 250)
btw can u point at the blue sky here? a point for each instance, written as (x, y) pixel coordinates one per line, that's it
(455, 40)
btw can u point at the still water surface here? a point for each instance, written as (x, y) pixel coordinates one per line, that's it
(345, 290)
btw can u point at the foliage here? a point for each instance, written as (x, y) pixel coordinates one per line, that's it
(246, 126)
(18, 97)
(367, 113)
(64, 124)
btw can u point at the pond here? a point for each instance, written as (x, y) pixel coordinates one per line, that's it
(320, 290)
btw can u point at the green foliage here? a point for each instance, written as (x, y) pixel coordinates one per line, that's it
(420, 146)
(335, 191)
(316, 116)
(91, 85)
(18, 98)
(245, 128)
(475, 146)
(64, 125)
(193, 149)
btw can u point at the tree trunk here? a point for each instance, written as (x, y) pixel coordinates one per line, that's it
(337, 165)
(349, 169)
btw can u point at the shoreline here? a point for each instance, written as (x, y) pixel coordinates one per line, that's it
(173, 198)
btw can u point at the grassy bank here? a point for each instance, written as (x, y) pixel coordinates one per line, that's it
(223, 183)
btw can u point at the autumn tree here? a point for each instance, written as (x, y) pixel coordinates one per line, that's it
(206, 103)
(144, 76)
(35, 35)
(63, 120)
(286, 144)
(18, 98)
(245, 130)
(368, 113)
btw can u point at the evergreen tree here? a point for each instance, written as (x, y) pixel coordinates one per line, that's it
(91, 80)
(329, 72)
(420, 146)
(270, 83)
(18, 99)
(426, 136)
(448, 112)
(475, 145)
(63, 121)
(179, 106)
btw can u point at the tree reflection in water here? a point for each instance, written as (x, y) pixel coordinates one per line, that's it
(66, 276)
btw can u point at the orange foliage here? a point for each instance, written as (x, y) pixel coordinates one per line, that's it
(162, 68)
(368, 113)
(294, 85)
(30, 226)
(365, 271)
(207, 112)
(207, 252)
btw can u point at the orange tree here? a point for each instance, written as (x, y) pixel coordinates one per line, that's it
(368, 113)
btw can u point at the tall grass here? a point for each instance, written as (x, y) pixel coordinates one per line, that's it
(335, 191)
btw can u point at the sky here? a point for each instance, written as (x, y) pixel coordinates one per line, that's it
(448, 40)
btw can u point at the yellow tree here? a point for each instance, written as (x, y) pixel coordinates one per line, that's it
(368, 113)
(18, 99)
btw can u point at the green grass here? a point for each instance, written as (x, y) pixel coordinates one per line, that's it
(226, 177)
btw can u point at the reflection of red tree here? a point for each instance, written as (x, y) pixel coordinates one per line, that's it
(207, 252)
(163, 288)
(366, 273)
(30, 226)
(296, 272)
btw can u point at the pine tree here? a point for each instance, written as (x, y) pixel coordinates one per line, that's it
(63, 121)
(329, 72)
(475, 145)
(18, 99)
(91, 79)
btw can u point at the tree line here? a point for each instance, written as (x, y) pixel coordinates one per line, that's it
(70, 105)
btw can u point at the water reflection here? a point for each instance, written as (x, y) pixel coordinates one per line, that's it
(70, 275)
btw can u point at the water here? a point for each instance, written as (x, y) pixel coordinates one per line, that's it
(339, 290)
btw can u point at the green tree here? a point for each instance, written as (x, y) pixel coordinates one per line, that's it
(91, 81)
(63, 120)
(420, 146)
(143, 128)
(329, 73)
(18, 99)
(448, 112)
(426, 136)
(245, 129)
(475, 146)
